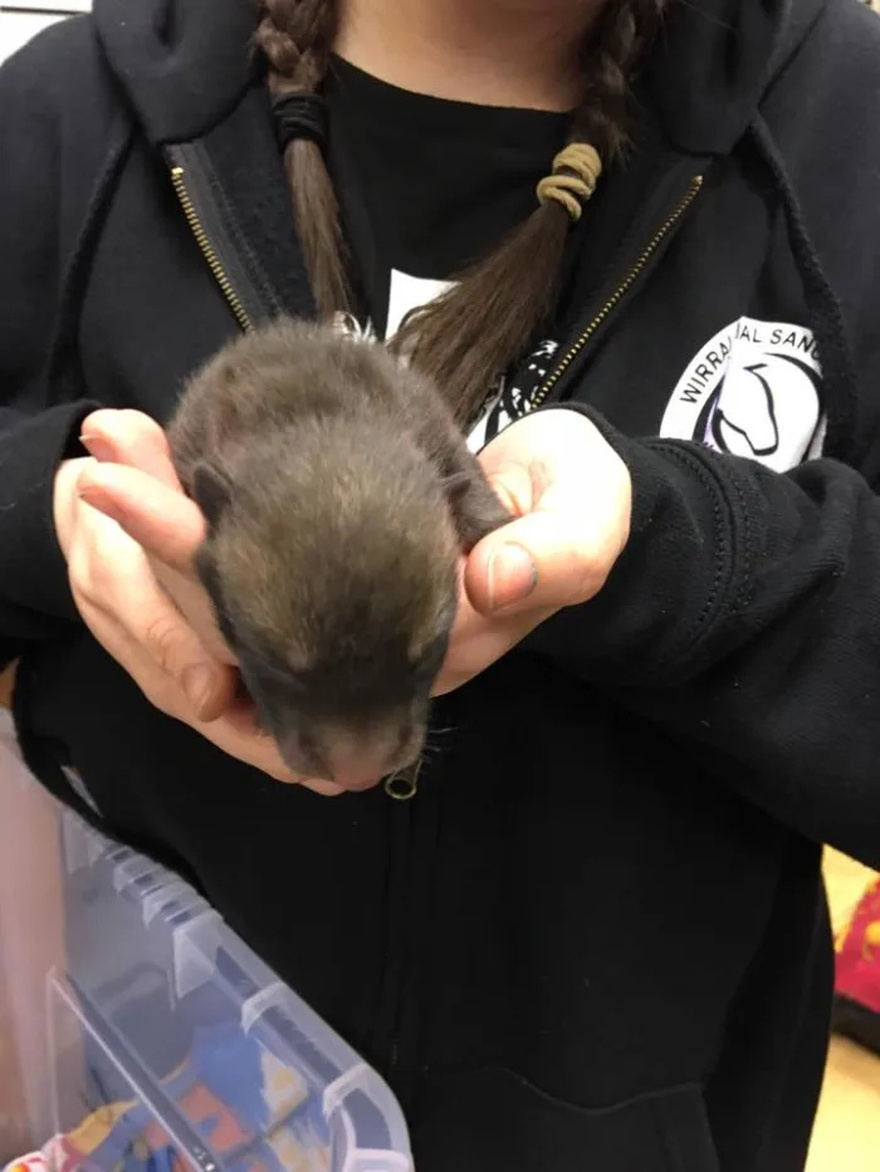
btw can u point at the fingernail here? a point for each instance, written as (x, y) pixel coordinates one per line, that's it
(198, 684)
(98, 447)
(511, 575)
(93, 495)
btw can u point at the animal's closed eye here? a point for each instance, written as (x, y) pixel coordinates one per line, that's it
(269, 668)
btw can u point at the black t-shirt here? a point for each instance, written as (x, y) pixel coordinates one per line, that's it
(426, 186)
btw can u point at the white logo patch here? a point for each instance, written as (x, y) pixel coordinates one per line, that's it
(753, 391)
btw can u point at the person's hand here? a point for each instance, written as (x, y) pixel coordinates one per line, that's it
(571, 498)
(129, 534)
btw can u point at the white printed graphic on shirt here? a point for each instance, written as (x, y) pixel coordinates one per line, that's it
(514, 397)
(752, 390)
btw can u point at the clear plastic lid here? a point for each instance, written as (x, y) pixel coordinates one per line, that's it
(169, 1025)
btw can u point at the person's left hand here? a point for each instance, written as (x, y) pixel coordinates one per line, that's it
(571, 498)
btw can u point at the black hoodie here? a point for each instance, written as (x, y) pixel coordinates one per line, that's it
(597, 937)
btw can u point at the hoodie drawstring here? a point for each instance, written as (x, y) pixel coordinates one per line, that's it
(823, 307)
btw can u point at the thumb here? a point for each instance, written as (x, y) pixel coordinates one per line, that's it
(542, 561)
(181, 654)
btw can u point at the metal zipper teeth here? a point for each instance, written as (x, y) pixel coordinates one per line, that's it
(622, 289)
(408, 778)
(177, 179)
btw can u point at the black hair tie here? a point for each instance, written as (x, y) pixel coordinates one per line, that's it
(300, 116)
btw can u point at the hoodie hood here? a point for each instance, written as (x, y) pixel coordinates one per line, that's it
(185, 64)
(714, 61)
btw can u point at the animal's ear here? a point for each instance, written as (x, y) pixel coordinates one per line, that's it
(476, 510)
(211, 491)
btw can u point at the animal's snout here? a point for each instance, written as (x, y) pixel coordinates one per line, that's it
(355, 773)
(354, 760)
(358, 763)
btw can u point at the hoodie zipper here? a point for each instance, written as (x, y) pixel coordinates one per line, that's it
(195, 195)
(401, 786)
(178, 179)
(246, 291)
(637, 270)
(398, 941)
(186, 181)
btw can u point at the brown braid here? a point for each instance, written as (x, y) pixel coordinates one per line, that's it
(615, 44)
(473, 332)
(296, 37)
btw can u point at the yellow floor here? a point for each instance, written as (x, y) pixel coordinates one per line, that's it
(847, 1133)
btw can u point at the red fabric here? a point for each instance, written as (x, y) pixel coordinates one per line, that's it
(857, 975)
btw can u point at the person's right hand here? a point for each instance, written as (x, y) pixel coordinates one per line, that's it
(149, 610)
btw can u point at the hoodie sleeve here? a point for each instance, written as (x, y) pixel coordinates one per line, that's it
(39, 423)
(744, 619)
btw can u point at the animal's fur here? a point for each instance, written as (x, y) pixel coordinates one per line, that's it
(339, 495)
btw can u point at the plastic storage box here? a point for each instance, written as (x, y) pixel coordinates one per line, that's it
(31, 944)
(173, 1047)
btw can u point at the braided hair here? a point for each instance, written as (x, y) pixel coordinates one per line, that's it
(296, 37)
(469, 335)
